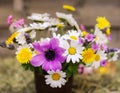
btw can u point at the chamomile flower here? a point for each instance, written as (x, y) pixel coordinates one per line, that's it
(39, 17)
(40, 26)
(69, 18)
(55, 78)
(24, 54)
(100, 56)
(72, 35)
(20, 38)
(100, 37)
(73, 51)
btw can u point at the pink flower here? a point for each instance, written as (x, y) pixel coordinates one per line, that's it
(95, 47)
(9, 19)
(89, 37)
(19, 23)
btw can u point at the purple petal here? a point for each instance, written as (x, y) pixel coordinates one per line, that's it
(54, 43)
(37, 47)
(60, 58)
(56, 65)
(59, 50)
(37, 60)
(46, 66)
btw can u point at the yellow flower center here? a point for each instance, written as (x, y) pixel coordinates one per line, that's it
(68, 7)
(84, 33)
(55, 76)
(72, 50)
(73, 37)
(11, 38)
(102, 22)
(97, 58)
(24, 55)
(88, 56)
(60, 25)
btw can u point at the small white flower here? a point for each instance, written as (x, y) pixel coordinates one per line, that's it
(32, 34)
(72, 35)
(73, 51)
(100, 56)
(25, 29)
(100, 37)
(115, 56)
(53, 29)
(55, 78)
(39, 17)
(20, 38)
(69, 18)
(40, 26)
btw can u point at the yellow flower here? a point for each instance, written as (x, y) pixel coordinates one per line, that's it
(102, 23)
(68, 7)
(24, 55)
(88, 56)
(11, 38)
(108, 31)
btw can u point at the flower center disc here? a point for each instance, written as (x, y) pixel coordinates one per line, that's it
(55, 76)
(73, 37)
(50, 55)
(97, 58)
(72, 50)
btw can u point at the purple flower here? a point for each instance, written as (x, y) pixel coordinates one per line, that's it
(103, 63)
(50, 55)
(104, 47)
(89, 37)
(95, 47)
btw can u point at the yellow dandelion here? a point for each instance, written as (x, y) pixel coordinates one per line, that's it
(88, 56)
(102, 23)
(24, 55)
(11, 38)
(68, 7)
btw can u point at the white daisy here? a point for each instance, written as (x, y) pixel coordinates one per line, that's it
(100, 56)
(53, 29)
(32, 34)
(69, 18)
(73, 51)
(39, 17)
(25, 29)
(100, 37)
(72, 35)
(55, 78)
(115, 56)
(20, 38)
(40, 26)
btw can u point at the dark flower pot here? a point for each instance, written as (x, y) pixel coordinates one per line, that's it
(41, 86)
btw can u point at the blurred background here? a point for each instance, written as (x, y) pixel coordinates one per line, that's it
(13, 78)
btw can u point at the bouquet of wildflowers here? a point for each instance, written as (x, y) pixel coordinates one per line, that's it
(58, 47)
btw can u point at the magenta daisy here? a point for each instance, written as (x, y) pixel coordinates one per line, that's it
(50, 55)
